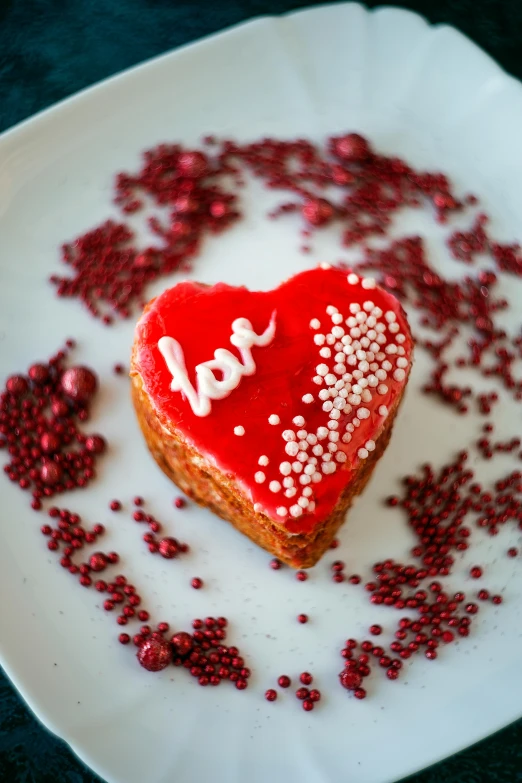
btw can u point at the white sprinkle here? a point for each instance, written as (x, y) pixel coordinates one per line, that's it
(322, 369)
(329, 467)
(381, 374)
(357, 375)
(361, 317)
(390, 316)
(370, 322)
(318, 450)
(362, 453)
(377, 312)
(363, 413)
(315, 323)
(374, 366)
(259, 477)
(330, 339)
(355, 332)
(332, 448)
(341, 456)
(364, 366)
(335, 414)
(356, 422)
(285, 468)
(337, 332)
(366, 396)
(239, 430)
(330, 379)
(333, 436)
(288, 435)
(368, 306)
(386, 365)
(373, 381)
(403, 363)
(399, 375)
(325, 265)
(365, 343)
(391, 349)
(324, 394)
(317, 379)
(274, 419)
(339, 357)
(348, 350)
(290, 492)
(288, 481)
(401, 351)
(340, 369)
(297, 467)
(352, 278)
(327, 457)
(325, 352)
(303, 502)
(307, 398)
(311, 507)
(309, 470)
(312, 460)
(354, 399)
(383, 410)
(292, 448)
(302, 456)
(258, 508)
(296, 510)
(350, 427)
(308, 492)
(339, 403)
(356, 389)
(400, 338)
(337, 319)
(274, 486)
(368, 283)
(263, 460)
(338, 346)
(301, 434)
(303, 445)
(322, 433)
(327, 406)
(319, 339)
(382, 388)
(381, 339)
(282, 511)
(346, 437)
(354, 308)
(370, 445)
(330, 310)
(311, 438)
(380, 328)
(393, 328)
(316, 478)
(332, 424)
(298, 421)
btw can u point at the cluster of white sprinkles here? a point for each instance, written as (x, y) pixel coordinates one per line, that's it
(359, 353)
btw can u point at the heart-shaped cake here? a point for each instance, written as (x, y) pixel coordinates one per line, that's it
(272, 408)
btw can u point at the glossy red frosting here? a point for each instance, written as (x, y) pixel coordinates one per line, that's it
(200, 319)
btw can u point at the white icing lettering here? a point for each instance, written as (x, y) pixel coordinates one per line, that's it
(224, 362)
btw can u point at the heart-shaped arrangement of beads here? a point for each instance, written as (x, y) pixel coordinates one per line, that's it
(279, 431)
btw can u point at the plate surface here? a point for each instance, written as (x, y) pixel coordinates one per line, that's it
(424, 93)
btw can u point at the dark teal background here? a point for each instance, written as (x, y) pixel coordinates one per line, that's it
(49, 49)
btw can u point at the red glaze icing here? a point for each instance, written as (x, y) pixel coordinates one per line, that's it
(200, 319)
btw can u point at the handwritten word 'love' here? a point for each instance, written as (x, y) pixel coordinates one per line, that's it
(209, 387)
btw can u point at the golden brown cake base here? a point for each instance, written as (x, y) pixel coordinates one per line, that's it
(202, 482)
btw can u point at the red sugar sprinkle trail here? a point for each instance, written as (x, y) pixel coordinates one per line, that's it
(39, 417)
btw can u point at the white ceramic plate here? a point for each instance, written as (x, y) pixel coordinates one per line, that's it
(422, 92)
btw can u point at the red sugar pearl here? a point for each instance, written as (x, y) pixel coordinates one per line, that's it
(315, 695)
(270, 694)
(335, 543)
(196, 583)
(483, 595)
(275, 564)
(306, 678)
(115, 505)
(360, 693)
(138, 501)
(497, 599)
(124, 638)
(476, 572)
(302, 618)
(512, 552)
(301, 576)
(180, 502)
(308, 705)
(284, 681)
(302, 693)
(376, 630)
